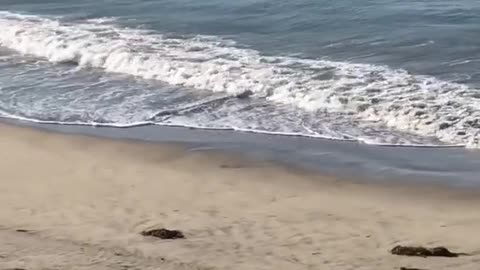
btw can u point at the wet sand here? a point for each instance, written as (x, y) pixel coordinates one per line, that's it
(451, 167)
(81, 202)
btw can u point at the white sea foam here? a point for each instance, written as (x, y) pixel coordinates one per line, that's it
(367, 96)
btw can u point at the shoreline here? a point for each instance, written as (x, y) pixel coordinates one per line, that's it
(450, 167)
(217, 154)
(90, 197)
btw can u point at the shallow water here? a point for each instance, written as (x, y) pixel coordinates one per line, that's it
(379, 72)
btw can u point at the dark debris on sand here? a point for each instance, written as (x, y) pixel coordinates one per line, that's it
(424, 252)
(410, 268)
(164, 234)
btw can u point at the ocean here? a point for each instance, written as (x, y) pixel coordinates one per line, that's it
(383, 72)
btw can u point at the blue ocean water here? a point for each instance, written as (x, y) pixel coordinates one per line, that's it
(375, 71)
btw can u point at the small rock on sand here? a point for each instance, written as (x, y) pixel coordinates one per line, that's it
(423, 252)
(164, 234)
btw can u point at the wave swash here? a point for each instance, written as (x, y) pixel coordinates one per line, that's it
(367, 97)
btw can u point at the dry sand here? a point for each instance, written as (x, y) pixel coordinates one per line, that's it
(85, 200)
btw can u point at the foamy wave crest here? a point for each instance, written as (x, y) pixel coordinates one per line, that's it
(367, 96)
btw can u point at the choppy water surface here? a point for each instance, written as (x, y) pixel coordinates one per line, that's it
(379, 72)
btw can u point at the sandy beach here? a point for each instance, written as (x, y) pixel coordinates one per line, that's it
(74, 202)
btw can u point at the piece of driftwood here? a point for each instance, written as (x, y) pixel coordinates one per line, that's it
(164, 234)
(424, 252)
(410, 268)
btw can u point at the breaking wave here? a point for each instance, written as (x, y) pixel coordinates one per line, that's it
(367, 97)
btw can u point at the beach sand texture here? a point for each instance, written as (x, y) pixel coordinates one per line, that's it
(83, 202)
